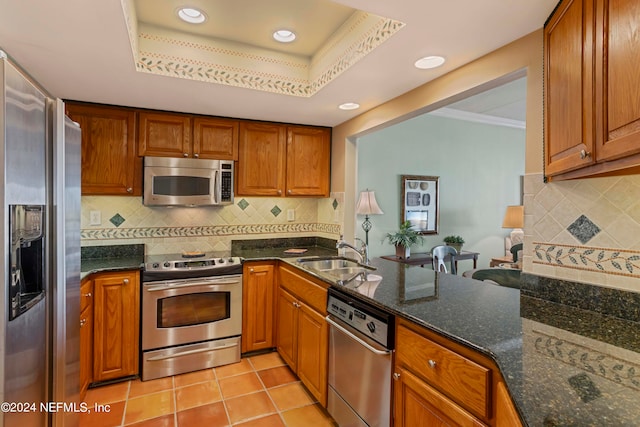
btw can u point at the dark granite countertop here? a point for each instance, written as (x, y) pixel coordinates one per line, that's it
(274, 249)
(556, 374)
(95, 259)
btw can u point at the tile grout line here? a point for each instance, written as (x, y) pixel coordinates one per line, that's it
(269, 394)
(222, 399)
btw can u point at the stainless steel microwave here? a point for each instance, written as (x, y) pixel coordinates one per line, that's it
(172, 181)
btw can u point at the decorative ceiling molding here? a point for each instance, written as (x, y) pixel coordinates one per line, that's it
(452, 113)
(166, 52)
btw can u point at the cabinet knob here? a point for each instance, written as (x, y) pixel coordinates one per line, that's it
(82, 322)
(129, 190)
(396, 376)
(288, 191)
(196, 155)
(87, 295)
(584, 154)
(432, 363)
(125, 281)
(279, 192)
(185, 155)
(251, 270)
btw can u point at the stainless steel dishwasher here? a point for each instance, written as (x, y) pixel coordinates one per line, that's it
(360, 347)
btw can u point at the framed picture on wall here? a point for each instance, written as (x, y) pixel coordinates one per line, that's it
(420, 202)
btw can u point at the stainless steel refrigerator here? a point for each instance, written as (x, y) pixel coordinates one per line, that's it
(40, 268)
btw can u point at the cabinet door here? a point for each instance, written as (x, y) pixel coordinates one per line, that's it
(287, 328)
(308, 161)
(261, 160)
(109, 162)
(257, 310)
(313, 351)
(116, 325)
(506, 414)
(568, 87)
(215, 138)
(419, 405)
(164, 135)
(617, 79)
(86, 349)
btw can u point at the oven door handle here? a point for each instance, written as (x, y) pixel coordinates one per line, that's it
(190, 285)
(188, 352)
(357, 339)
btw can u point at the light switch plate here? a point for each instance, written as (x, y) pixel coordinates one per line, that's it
(95, 218)
(291, 214)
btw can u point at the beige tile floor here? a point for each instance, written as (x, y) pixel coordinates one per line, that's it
(260, 391)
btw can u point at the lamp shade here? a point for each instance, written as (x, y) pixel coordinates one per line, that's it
(367, 204)
(513, 217)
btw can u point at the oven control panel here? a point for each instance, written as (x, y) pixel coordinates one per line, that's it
(360, 317)
(191, 264)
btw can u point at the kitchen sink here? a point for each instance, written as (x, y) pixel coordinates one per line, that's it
(339, 269)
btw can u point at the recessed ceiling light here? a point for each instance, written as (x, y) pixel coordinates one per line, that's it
(191, 15)
(429, 62)
(284, 36)
(349, 106)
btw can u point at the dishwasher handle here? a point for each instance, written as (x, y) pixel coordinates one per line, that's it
(357, 339)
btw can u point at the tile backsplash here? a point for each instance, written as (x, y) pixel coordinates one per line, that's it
(585, 230)
(174, 229)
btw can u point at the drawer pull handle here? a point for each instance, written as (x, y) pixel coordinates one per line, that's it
(432, 363)
(87, 295)
(396, 376)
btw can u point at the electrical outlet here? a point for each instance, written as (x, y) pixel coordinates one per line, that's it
(95, 218)
(291, 214)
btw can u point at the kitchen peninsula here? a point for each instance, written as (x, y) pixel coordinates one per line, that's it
(561, 364)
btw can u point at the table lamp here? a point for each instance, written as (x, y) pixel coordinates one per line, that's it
(514, 218)
(367, 205)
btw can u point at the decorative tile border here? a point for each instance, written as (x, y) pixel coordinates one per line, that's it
(203, 231)
(608, 261)
(619, 371)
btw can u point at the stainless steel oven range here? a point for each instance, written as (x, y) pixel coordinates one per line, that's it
(191, 313)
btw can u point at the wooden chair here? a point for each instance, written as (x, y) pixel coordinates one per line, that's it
(439, 253)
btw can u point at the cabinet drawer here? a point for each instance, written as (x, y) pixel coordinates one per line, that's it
(86, 294)
(311, 293)
(462, 379)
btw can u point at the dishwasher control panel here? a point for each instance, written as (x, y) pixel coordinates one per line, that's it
(366, 319)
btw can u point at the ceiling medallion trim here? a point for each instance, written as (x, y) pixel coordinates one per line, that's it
(163, 52)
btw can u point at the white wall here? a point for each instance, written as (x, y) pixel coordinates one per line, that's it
(479, 166)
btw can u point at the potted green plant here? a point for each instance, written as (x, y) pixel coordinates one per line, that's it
(403, 239)
(455, 242)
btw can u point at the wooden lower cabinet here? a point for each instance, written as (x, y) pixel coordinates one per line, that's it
(419, 405)
(302, 333)
(441, 383)
(506, 414)
(116, 321)
(257, 306)
(86, 336)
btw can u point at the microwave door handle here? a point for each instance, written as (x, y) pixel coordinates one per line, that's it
(217, 183)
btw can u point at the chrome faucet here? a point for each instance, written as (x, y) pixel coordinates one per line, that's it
(363, 251)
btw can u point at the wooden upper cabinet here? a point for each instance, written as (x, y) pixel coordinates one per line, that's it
(617, 80)
(261, 160)
(215, 138)
(281, 160)
(308, 161)
(568, 95)
(109, 162)
(592, 88)
(164, 135)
